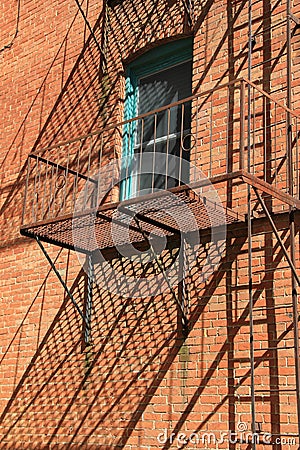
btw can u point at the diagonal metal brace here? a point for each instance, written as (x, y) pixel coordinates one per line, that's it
(69, 293)
(90, 29)
(266, 211)
(294, 19)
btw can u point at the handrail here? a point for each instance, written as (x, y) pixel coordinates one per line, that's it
(294, 113)
(61, 167)
(221, 132)
(164, 108)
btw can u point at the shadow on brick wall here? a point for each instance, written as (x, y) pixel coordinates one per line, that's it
(117, 390)
(96, 398)
(77, 109)
(140, 375)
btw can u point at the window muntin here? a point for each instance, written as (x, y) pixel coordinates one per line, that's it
(165, 80)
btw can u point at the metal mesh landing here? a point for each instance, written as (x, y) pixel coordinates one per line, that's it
(161, 214)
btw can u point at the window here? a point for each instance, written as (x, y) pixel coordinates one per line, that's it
(158, 78)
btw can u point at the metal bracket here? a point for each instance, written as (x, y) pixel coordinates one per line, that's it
(179, 301)
(87, 316)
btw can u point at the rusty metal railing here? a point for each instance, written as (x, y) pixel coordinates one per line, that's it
(211, 131)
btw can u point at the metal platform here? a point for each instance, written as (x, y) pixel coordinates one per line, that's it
(163, 213)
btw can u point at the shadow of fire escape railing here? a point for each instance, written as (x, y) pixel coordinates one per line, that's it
(199, 129)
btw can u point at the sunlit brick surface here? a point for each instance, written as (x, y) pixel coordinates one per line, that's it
(142, 383)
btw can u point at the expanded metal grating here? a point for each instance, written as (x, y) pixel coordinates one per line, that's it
(160, 214)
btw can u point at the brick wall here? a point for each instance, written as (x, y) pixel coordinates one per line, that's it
(141, 383)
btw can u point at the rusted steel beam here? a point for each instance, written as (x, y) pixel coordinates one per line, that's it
(269, 189)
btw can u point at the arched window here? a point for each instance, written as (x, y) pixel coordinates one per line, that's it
(158, 78)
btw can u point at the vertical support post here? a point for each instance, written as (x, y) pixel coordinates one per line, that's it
(26, 191)
(289, 103)
(292, 218)
(182, 293)
(89, 300)
(251, 325)
(159, 263)
(295, 317)
(242, 123)
(250, 276)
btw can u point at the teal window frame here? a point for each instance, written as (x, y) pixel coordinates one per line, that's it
(154, 60)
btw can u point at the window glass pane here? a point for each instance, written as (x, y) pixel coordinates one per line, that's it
(161, 77)
(165, 87)
(161, 89)
(161, 132)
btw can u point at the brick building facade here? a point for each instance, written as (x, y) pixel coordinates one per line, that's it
(195, 349)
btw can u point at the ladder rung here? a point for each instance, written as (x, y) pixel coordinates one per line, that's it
(272, 269)
(270, 391)
(266, 349)
(263, 308)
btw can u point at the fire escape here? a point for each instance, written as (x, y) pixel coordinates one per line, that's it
(242, 142)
